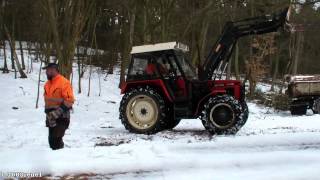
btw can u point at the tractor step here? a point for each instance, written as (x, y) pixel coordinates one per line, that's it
(182, 110)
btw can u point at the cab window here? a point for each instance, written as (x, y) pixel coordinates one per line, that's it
(142, 67)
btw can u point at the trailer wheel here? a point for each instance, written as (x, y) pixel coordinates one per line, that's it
(298, 110)
(223, 115)
(316, 106)
(142, 111)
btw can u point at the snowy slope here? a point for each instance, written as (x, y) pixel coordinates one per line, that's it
(270, 146)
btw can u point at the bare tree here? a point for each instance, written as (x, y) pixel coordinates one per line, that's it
(5, 65)
(256, 66)
(22, 56)
(79, 69)
(298, 45)
(15, 57)
(236, 62)
(38, 90)
(66, 21)
(129, 43)
(93, 42)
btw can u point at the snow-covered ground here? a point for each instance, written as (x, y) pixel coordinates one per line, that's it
(272, 145)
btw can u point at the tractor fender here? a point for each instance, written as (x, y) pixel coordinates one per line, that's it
(206, 97)
(158, 84)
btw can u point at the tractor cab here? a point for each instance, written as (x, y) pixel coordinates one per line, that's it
(166, 62)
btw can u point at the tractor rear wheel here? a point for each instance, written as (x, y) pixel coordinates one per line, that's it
(142, 111)
(223, 115)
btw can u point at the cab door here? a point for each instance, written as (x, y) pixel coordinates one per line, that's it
(172, 76)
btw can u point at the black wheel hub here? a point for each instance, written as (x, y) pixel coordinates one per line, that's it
(222, 115)
(144, 111)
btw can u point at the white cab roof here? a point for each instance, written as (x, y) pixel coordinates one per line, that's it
(159, 47)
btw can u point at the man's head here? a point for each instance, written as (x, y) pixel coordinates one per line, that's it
(51, 70)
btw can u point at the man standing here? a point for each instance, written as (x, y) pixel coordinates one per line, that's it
(58, 97)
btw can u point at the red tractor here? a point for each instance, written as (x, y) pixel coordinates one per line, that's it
(162, 87)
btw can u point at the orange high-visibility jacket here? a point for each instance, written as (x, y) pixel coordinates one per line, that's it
(58, 91)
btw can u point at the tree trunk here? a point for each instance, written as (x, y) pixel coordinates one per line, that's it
(276, 70)
(145, 21)
(22, 56)
(12, 45)
(79, 70)
(38, 91)
(110, 69)
(128, 46)
(236, 61)
(89, 81)
(65, 66)
(5, 65)
(99, 76)
(299, 44)
(12, 57)
(203, 42)
(163, 21)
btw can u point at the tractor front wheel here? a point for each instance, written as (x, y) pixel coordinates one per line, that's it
(224, 115)
(245, 111)
(142, 111)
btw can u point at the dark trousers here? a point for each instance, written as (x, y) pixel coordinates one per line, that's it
(56, 133)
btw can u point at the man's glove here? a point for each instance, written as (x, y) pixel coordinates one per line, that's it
(53, 116)
(64, 107)
(51, 122)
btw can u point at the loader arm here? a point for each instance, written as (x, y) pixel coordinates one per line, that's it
(223, 48)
